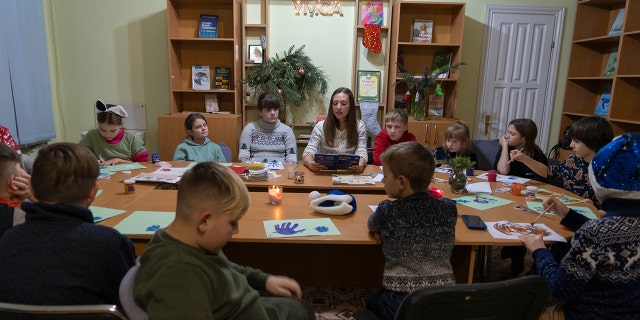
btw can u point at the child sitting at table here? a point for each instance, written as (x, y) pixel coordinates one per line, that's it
(395, 131)
(416, 230)
(197, 146)
(457, 142)
(10, 212)
(185, 275)
(599, 277)
(58, 256)
(111, 143)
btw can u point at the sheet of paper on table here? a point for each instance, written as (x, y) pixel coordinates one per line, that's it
(482, 201)
(504, 178)
(145, 222)
(101, 213)
(300, 228)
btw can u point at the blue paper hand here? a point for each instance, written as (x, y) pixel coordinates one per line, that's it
(287, 229)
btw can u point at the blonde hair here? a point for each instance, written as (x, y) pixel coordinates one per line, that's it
(209, 185)
(458, 131)
(396, 115)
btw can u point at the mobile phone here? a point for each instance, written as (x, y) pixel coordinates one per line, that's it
(473, 222)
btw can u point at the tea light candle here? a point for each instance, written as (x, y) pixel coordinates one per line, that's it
(275, 194)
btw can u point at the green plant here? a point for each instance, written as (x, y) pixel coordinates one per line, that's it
(291, 78)
(422, 83)
(458, 163)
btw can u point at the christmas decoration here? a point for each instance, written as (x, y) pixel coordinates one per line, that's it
(371, 38)
(248, 93)
(291, 78)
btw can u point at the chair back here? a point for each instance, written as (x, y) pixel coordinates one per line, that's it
(486, 151)
(515, 299)
(125, 292)
(12, 311)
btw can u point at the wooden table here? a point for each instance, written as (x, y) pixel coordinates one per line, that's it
(351, 258)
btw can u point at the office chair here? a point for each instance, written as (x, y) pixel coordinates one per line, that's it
(12, 311)
(515, 299)
(486, 151)
(519, 298)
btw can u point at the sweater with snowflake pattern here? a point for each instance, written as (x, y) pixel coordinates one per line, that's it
(599, 278)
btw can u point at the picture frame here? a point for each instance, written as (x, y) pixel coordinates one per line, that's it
(368, 85)
(422, 31)
(254, 53)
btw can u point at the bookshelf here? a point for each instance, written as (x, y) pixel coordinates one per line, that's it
(186, 49)
(590, 51)
(365, 60)
(255, 22)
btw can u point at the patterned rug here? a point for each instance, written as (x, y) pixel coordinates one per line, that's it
(339, 303)
(336, 303)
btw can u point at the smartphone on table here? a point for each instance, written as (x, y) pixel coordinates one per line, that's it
(474, 222)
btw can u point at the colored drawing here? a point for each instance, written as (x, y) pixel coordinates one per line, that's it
(510, 230)
(300, 228)
(145, 222)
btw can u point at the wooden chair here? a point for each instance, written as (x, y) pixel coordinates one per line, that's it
(12, 311)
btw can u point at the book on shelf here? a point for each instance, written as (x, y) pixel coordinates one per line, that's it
(610, 68)
(371, 12)
(222, 78)
(616, 27)
(352, 179)
(339, 161)
(422, 31)
(602, 109)
(200, 76)
(211, 103)
(208, 26)
(441, 59)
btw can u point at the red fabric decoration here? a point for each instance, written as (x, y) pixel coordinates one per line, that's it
(371, 38)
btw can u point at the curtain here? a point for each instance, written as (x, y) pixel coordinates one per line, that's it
(25, 90)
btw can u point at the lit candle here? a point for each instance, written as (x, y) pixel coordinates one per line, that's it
(275, 194)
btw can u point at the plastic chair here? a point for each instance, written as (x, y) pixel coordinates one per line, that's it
(515, 299)
(226, 151)
(12, 311)
(125, 292)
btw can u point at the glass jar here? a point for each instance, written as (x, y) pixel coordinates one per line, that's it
(457, 181)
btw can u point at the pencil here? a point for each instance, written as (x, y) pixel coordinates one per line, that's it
(511, 160)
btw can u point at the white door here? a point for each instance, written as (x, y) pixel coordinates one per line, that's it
(520, 56)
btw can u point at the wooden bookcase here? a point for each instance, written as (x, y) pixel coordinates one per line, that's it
(448, 28)
(255, 22)
(364, 60)
(590, 51)
(186, 49)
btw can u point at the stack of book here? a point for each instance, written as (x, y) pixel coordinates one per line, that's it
(258, 175)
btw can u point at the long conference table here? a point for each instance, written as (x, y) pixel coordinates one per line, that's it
(352, 258)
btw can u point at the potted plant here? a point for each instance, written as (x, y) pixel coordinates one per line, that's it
(457, 179)
(420, 85)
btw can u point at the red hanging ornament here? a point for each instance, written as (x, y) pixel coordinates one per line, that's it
(301, 72)
(371, 38)
(279, 91)
(247, 93)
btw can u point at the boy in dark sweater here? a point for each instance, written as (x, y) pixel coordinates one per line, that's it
(417, 231)
(59, 256)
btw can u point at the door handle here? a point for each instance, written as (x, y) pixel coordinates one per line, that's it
(487, 122)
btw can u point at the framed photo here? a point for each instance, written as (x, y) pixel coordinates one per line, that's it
(368, 85)
(422, 31)
(255, 53)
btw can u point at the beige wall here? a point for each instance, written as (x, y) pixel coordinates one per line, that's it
(116, 50)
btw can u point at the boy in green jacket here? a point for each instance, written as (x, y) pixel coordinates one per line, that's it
(185, 275)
